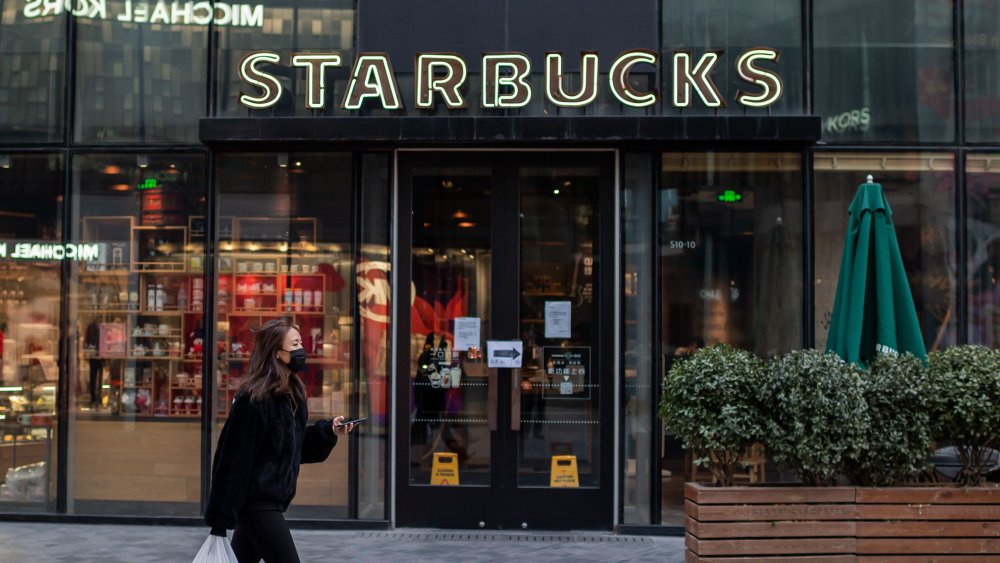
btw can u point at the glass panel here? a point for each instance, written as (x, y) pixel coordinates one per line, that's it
(33, 73)
(285, 251)
(982, 81)
(135, 393)
(637, 294)
(374, 304)
(140, 81)
(734, 27)
(452, 266)
(730, 271)
(982, 184)
(920, 188)
(560, 381)
(885, 71)
(294, 26)
(30, 297)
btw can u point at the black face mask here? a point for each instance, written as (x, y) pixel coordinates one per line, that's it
(297, 359)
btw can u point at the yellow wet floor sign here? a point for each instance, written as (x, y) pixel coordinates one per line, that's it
(564, 473)
(444, 471)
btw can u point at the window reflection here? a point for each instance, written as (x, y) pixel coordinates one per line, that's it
(983, 188)
(920, 189)
(32, 76)
(30, 290)
(138, 309)
(982, 82)
(885, 72)
(286, 251)
(140, 82)
(730, 270)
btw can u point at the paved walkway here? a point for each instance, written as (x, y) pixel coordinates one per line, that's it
(22, 542)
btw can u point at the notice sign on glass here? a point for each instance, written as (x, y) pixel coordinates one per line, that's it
(558, 317)
(567, 372)
(466, 333)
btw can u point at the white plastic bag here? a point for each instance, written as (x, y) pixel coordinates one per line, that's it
(216, 549)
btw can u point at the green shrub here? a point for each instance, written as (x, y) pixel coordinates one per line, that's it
(898, 433)
(709, 403)
(817, 419)
(964, 405)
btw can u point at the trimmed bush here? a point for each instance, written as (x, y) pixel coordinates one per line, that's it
(898, 433)
(709, 403)
(817, 418)
(964, 405)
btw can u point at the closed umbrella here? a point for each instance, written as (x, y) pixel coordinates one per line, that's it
(873, 311)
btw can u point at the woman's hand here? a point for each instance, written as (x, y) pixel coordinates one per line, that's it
(339, 428)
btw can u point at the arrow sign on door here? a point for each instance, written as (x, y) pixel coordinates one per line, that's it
(504, 353)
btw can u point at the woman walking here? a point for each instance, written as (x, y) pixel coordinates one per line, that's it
(261, 446)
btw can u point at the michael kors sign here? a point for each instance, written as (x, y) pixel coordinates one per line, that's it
(440, 77)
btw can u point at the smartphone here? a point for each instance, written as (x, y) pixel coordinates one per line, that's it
(355, 421)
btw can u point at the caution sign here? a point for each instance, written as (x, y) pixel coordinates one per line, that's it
(444, 471)
(564, 473)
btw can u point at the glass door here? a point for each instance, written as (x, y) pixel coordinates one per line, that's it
(505, 248)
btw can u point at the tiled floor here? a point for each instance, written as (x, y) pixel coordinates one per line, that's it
(23, 542)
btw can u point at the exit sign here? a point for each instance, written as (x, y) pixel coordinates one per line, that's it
(149, 184)
(730, 196)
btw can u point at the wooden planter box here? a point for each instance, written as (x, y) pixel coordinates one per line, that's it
(841, 524)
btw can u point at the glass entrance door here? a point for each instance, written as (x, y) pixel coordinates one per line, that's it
(503, 254)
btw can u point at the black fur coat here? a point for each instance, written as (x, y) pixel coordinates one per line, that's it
(258, 456)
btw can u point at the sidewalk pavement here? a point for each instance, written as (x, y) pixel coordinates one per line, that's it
(44, 542)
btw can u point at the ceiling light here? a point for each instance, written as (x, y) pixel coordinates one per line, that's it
(120, 187)
(298, 163)
(4, 161)
(283, 160)
(556, 191)
(567, 183)
(460, 214)
(142, 160)
(446, 184)
(111, 169)
(466, 224)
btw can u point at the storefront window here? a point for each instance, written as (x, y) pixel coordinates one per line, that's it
(137, 300)
(287, 27)
(982, 81)
(884, 71)
(30, 299)
(982, 184)
(141, 75)
(732, 27)
(730, 270)
(920, 189)
(285, 225)
(32, 76)
(638, 281)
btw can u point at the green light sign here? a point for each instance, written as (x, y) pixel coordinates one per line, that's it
(730, 196)
(149, 184)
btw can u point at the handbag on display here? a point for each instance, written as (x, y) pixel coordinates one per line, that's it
(216, 549)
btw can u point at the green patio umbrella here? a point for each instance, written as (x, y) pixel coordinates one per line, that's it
(873, 311)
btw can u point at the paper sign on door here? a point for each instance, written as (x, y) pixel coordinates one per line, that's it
(558, 317)
(467, 333)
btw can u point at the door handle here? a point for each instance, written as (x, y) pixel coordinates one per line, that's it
(491, 398)
(515, 399)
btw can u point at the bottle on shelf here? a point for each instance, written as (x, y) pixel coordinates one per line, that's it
(182, 298)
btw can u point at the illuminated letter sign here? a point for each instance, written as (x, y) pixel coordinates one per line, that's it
(618, 78)
(448, 85)
(270, 86)
(517, 80)
(770, 83)
(506, 79)
(372, 78)
(685, 78)
(315, 75)
(554, 80)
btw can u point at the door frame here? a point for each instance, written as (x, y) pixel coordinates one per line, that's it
(549, 507)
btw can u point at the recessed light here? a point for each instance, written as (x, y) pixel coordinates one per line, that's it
(556, 191)
(460, 214)
(466, 224)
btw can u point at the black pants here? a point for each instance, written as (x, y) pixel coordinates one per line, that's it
(263, 534)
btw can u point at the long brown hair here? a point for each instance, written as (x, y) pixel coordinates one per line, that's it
(268, 375)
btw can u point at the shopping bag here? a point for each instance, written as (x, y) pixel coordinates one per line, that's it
(216, 549)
